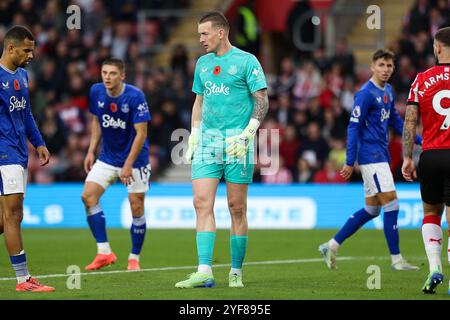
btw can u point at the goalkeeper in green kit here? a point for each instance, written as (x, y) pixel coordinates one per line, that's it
(231, 102)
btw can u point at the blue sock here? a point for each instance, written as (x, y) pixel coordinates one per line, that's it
(97, 223)
(357, 220)
(390, 226)
(205, 247)
(19, 263)
(138, 229)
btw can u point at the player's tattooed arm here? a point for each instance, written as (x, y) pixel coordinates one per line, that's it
(261, 105)
(409, 129)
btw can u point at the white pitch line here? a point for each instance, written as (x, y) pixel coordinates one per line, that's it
(61, 275)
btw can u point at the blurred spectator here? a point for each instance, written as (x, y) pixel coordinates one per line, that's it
(419, 19)
(315, 111)
(281, 176)
(436, 21)
(179, 59)
(320, 60)
(329, 174)
(404, 75)
(286, 78)
(334, 78)
(338, 152)
(444, 9)
(344, 59)
(72, 116)
(53, 131)
(314, 148)
(284, 112)
(289, 147)
(308, 82)
(121, 40)
(346, 98)
(303, 172)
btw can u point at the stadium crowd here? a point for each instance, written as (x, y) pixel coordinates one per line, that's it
(310, 100)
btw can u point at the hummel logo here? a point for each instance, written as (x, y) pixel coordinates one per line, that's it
(141, 107)
(256, 72)
(5, 85)
(436, 240)
(100, 104)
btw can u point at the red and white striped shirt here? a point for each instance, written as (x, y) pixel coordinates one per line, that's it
(431, 92)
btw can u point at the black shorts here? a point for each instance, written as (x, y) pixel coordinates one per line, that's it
(434, 176)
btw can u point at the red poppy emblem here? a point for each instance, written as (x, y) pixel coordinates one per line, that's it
(385, 98)
(216, 70)
(16, 84)
(113, 107)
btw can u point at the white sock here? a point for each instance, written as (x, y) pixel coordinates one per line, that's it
(22, 279)
(395, 258)
(448, 247)
(333, 244)
(103, 248)
(236, 271)
(133, 256)
(204, 268)
(432, 238)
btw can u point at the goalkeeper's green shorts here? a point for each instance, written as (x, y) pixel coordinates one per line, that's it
(211, 161)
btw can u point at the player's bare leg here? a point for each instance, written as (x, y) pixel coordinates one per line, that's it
(237, 204)
(204, 198)
(138, 229)
(1, 219)
(12, 217)
(96, 220)
(432, 239)
(12, 211)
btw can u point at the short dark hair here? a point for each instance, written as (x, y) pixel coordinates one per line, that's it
(443, 36)
(115, 62)
(18, 34)
(217, 19)
(383, 54)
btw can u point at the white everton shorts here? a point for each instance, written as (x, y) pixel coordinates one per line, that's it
(377, 178)
(105, 174)
(13, 179)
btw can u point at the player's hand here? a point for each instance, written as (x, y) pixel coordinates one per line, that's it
(346, 171)
(89, 162)
(126, 174)
(409, 169)
(192, 144)
(238, 145)
(44, 155)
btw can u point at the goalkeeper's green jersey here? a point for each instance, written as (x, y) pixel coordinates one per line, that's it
(226, 84)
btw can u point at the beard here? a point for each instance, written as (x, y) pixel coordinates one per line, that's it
(23, 64)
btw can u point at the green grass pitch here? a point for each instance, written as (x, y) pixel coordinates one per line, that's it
(282, 264)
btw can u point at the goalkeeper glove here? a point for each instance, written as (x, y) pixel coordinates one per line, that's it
(192, 144)
(238, 145)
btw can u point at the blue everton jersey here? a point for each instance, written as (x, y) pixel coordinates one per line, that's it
(16, 121)
(117, 116)
(367, 133)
